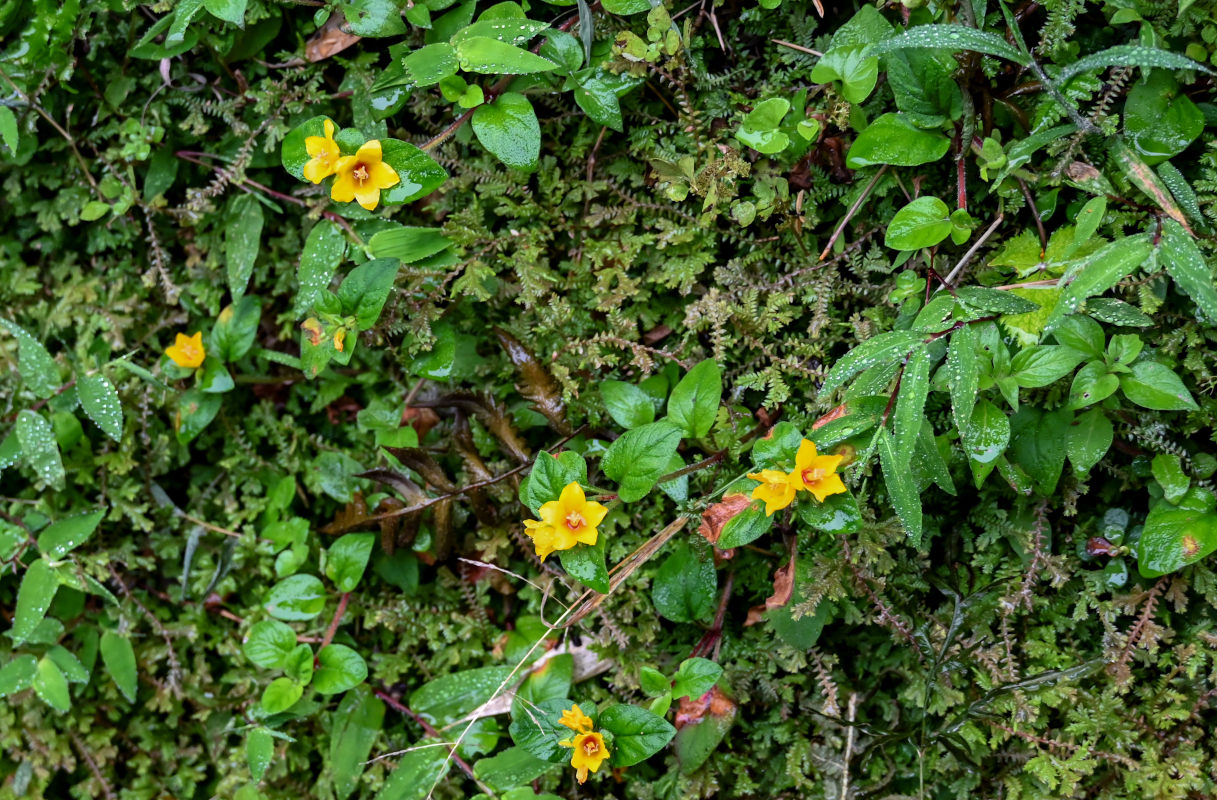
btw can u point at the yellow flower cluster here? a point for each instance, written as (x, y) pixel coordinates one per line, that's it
(813, 473)
(359, 177)
(589, 750)
(565, 522)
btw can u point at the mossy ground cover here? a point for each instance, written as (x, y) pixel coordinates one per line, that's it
(616, 399)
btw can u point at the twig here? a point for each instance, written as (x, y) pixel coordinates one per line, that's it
(1035, 212)
(333, 629)
(852, 210)
(963, 262)
(849, 745)
(84, 753)
(430, 730)
(798, 47)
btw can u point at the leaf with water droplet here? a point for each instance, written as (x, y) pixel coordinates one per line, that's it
(39, 448)
(100, 402)
(38, 587)
(951, 37)
(885, 347)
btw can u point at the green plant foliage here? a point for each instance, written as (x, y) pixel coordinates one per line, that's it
(411, 400)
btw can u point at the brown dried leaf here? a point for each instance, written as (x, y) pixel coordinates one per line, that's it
(442, 544)
(716, 516)
(783, 590)
(421, 420)
(714, 703)
(400, 483)
(835, 414)
(476, 470)
(539, 386)
(495, 417)
(421, 462)
(352, 517)
(330, 39)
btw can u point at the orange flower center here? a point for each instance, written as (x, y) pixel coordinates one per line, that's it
(360, 173)
(575, 521)
(813, 475)
(590, 746)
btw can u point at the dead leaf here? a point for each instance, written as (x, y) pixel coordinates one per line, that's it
(714, 703)
(716, 516)
(835, 414)
(421, 420)
(330, 39)
(352, 517)
(539, 387)
(420, 461)
(494, 416)
(783, 590)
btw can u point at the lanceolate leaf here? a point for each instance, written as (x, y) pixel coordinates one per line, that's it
(1186, 264)
(909, 413)
(885, 347)
(951, 37)
(900, 487)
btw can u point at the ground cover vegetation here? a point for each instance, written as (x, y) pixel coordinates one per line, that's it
(450, 398)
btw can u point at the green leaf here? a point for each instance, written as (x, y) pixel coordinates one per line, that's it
(550, 475)
(280, 695)
(373, 18)
(893, 139)
(73, 671)
(1037, 444)
(963, 373)
(988, 433)
(598, 99)
(346, 559)
(1089, 438)
(364, 291)
(884, 348)
(1186, 264)
(1117, 312)
(1098, 272)
(509, 129)
(922, 223)
(269, 643)
(38, 587)
(1082, 334)
(196, 410)
(653, 682)
(1091, 385)
(8, 129)
(1173, 538)
(450, 697)
(637, 733)
(51, 686)
(214, 377)
(510, 768)
(1130, 55)
(430, 64)
(1159, 120)
(339, 668)
(695, 677)
(901, 490)
(235, 328)
(242, 238)
(586, 564)
(259, 749)
(839, 513)
(18, 674)
(323, 252)
(744, 528)
(293, 153)
(417, 172)
(640, 457)
(982, 299)
(1154, 386)
(94, 210)
(356, 726)
(491, 57)
(693, 404)
(626, 7)
(1168, 472)
(61, 537)
(100, 402)
(909, 414)
(416, 772)
(924, 85)
(685, 586)
(118, 656)
(953, 38)
(628, 405)
(297, 598)
(408, 245)
(34, 363)
(1041, 365)
(779, 447)
(854, 66)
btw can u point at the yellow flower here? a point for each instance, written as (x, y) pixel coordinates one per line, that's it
(777, 489)
(325, 154)
(340, 336)
(817, 474)
(187, 351)
(565, 522)
(589, 753)
(576, 720)
(362, 176)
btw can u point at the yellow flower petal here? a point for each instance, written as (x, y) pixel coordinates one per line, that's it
(316, 170)
(382, 176)
(369, 152)
(576, 720)
(588, 754)
(776, 490)
(187, 351)
(368, 198)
